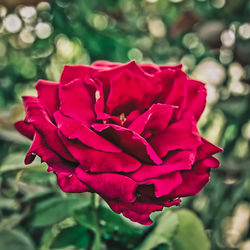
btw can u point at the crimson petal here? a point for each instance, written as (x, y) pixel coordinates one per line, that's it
(38, 117)
(174, 89)
(154, 120)
(182, 134)
(139, 96)
(129, 141)
(207, 149)
(25, 129)
(137, 212)
(71, 184)
(97, 161)
(176, 161)
(76, 101)
(72, 72)
(196, 97)
(164, 185)
(74, 130)
(109, 184)
(48, 95)
(196, 179)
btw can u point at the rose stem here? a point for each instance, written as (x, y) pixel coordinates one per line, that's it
(95, 207)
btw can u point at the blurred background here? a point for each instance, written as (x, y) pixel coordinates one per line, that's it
(211, 38)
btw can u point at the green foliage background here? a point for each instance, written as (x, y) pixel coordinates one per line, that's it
(211, 38)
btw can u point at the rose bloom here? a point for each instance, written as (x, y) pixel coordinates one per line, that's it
(125, 131)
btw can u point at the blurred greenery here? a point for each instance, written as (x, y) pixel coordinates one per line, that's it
(211, 38)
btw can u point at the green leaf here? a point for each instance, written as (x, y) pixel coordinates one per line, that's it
(109, 220)
(16, 162)
(163, 233)
(15, 240)
(191, 234)
(54, 210)
(85, 217)
(112, 221)
(76, 236)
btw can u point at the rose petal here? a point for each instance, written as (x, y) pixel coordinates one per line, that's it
(76, 101)
(109, 184)
(150, 68)
(38, 117)
(129, 141)
(25, 129)
(48, 96)
(75, 130)
(154, 120)
(165, 184)
(196, 97)
(129, 91)
(105, 76)
(196, 179)
(131, 117)
(102, 64)
(205, 165)
(137, 212)
(71, 184)
(66, 177)
(97, 162)
(72, 72)
(174, 89)
(146, 194)
(182, 134)
(54, 161)
(207, 149)
(175, 161)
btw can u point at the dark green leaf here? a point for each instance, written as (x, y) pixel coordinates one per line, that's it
(77, 236)
(54, 210)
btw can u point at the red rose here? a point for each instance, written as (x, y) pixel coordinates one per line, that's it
(125, 131)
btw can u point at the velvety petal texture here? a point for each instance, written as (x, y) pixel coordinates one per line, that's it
(125, 131)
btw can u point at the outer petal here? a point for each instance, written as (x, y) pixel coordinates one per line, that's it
(71, 184)
(55, 162)
(175, 161)
(196, 179)
(25, 129)
(182, 134)
(129, 141)
(37, 116)
(174, 89)
(105, 64)
(137, 212)
(164, 185)
(71, 72)
(48, 95)
(66, 177)
(76, 101)
(207, 149)
(97, 161)
(114, 186)
(75, 130)
(196, 97)
(150, 68)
